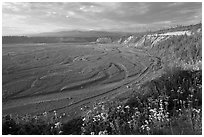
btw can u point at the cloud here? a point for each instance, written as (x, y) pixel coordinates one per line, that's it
(33, 17)
(90, 8)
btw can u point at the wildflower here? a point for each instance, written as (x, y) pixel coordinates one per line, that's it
(127, 107)
(153, 110)
(179, 109)
(166, 102)
(135, 108)
(83, 129)
(127, 86)
(184, 102)
(159, 117)
(111, 125)
(45, 114)
(57, 125)
(104, 115)
(143, 127)
(94, 119)
(122, 111)
(103, 107)
(175, 99)
(118, 107)
(197, 111)
(191, 96)
(55, 113)
(105, 132)
(60, 132)
(100, 133)
(148, 128)
(35, 117)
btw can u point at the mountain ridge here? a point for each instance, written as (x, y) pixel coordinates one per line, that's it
(79, 33)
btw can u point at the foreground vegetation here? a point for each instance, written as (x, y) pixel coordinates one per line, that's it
(162, 106)
(170, 104)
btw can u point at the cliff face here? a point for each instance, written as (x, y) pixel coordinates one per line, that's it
(154, 38)
(151, 40)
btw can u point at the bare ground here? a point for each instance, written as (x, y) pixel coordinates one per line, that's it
(67, 77)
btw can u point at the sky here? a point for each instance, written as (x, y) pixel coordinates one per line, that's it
(20, 18)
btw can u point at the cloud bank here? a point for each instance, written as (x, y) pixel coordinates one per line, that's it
(32, 17)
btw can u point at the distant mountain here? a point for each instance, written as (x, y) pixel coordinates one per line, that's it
(128, 39)
(64, 37)
(82, 34)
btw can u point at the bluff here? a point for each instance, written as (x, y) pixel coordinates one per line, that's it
(149, 40)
